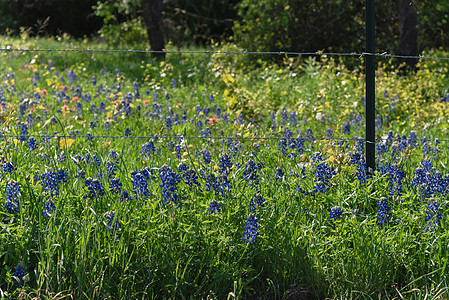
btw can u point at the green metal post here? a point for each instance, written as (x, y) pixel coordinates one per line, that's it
(370, 97)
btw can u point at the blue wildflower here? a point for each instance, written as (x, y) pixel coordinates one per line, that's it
(94, 188)
(214, 206)
(112, 222)
(336, 213)
(49, 182)
(115, 186)
(9, 167)
(251, 231)
(433, 214)
(383, 212)
(225, 164)
(148, 149)
(19, 273)
(256, 201)
(207, 157)
(250, 173)
(125, 196)
(13, 193)
(347, 128)
(32, 143)
(140, 185)
(169, 184)
(49, 208)
(279, 174)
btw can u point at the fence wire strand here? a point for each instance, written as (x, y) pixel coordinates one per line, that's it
(279, 53)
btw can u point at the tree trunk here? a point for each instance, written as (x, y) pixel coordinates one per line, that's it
(408, 36)
(152, 15)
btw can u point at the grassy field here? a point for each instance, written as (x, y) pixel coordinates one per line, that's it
(218, 177)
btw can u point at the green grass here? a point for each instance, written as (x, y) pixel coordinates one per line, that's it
(153, 248)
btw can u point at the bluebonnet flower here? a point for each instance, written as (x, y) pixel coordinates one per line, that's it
(94, 80)
(19, 272)
(23, 132)
(140, 185)
(107, 125)
(282, 146)
(94, 188)
(147, 173)
(71, 76)
(251, 231)
(225, 164)
(102, 108)
(413, 140)
(383, 212)
(293, 119)
(49, 208)
(224, 184)
(112, 222)
(168, 123)
(279, 174)
(396, 176)
(198, 109)
(433, 214)
(62, 175)
(250, 173)
(256, 201)
(336, 213)
(206, 156)
(89, 137)
(378, 122)
(111, 169)
(79, 109)
(273, 120)
(167, 96)
(80, 174)
(9, 167)
(178, 150)
(284, 116)
(173, 83)
(115, 186)
(62, 157)
(169, 184)
(148, 149)
(49, 182)
(125, 196)
(214, 206)
(188, 175)
(329, 133)
(127, 132)
(30, 120)
(199, 125)
(323, 174)
(347, 128)
(13, 193)
(211, 182)
(355, 212)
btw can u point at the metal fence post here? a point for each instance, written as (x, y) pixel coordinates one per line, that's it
(370, 97)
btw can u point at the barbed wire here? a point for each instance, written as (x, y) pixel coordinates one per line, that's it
(280, 53)
(155, 137)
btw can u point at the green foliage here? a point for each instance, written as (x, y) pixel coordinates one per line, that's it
(49, 17)
(273, 25)
(294, 25)
(433, 23)
(185, 22)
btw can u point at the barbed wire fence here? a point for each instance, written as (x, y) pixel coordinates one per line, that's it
(209, 52)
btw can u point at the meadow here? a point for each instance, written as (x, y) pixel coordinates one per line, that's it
(211, 176)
